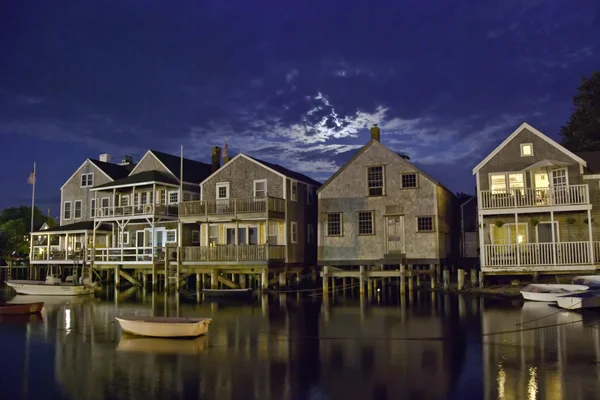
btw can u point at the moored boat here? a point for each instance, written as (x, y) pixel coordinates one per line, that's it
(52, 286)
(574, 301)
(549, 292)
(227, 292)
(129, 343)
(164, 327)
(593, 281)
(20, 308)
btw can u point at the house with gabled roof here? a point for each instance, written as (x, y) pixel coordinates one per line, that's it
(379, 209)
(535, 206)
(253, 216)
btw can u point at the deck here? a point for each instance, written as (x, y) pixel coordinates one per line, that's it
(253, 207)
(559, 196)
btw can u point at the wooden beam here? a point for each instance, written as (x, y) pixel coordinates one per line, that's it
(129, 277)
(227, 282)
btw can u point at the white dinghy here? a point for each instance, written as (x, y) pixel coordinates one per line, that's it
(164, 327)
(575, 301)
(593, 281)
(52, 286)
(549, 292)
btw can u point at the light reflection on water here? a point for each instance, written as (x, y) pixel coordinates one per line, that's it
(431, 346)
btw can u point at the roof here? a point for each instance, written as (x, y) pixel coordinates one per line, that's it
(142, 177)
(193, 171)
(539, 134)
(362, 150)
(115, 171)
(287, 172)
(592, 158)
(77, 226)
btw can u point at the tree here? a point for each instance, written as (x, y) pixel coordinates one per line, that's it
(582, 131)
(15, 225)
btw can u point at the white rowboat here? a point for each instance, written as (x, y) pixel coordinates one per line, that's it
(549, 292)
(164, 327)
(49, 288)
(575, 301)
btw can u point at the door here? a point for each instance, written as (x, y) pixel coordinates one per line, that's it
(545, 232)
(230, 236)
(395, 234)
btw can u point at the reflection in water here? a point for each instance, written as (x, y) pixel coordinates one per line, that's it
(283, 347)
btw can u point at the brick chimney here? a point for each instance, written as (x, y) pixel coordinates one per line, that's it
(375, 133)
(216, 158)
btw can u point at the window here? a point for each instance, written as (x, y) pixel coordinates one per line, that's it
(93, 208)
(143, 198)
(195, 237)
(163, 197)
(559, 177)
(77, 209)
(310, 234)
(87, 180)
(310, 194)
(498, 182)
(124, 239)
(242, 236)
(409, 180)
(294, 232)
(105, 203)
(67, 210)
(253, 235)
(124, 201)
(171, 236)
(273, 233)
(223, 190)
(424, 224)
(365, 223)
(375, 180)
(260, 188)
(173, 197)
(334, 224)
(526, 149)
(213, 234)
(294, 191)
(509, 233)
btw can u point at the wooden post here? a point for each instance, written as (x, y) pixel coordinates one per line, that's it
(144, 279)
(481, 280)
(198, 284)
(473, 277)
(117, 277)
(410, 278)
(446, 276)
(461, 279)
(362, 280)
(243, 281)
(402, 279)
(282, 280)
(325, 281)
(214, 279)
(418, 277)
(265, 279)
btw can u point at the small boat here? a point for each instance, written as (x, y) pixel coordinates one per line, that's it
(52, 286)
(164, 327)
(549, 292)
(20, 308)
(588, 299)
(593, 281)
(227, 292)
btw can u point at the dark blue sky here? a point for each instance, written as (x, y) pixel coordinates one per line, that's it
(294, 82)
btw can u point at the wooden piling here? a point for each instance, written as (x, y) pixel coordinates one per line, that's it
(446, 277)
(481, 280)
(402, 279)
(362, 280)
(461, 279)
(325, 281)
(410, 278)
(473, 277)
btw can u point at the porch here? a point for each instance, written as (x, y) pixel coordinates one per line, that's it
(566, 195)
(233, 253)
(254, 206)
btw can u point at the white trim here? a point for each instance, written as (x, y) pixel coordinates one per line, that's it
(93, 208)
(537, 236)
(530, 147)
(132, 185)
(293, 224)
(124, 196)
(535, 209)
(79, 169)
(293, 183)
(539, 134)
(70, 210)
(156, 158)
(259, 181)
(285, 188)
(168, 199)
(219, 185)
(80, 209)
(590, 177)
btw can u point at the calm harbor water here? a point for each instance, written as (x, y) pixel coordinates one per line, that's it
(428, 346)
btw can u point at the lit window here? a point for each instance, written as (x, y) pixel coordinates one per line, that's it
(365, 223)
(526, 149)
(375, 181)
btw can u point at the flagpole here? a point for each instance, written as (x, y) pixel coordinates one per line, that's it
(33, 196)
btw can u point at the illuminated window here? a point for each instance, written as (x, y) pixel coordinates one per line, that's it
(526, 149)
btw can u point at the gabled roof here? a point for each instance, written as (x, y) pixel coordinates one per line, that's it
(77, 226)
(193, 171)
(288, 172)
(142, 177)
(115, 171)
(539, 134)
(373, 142)
(87, 160)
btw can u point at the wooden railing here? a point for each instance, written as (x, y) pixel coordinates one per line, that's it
(57, 255)
(231, 206)
(139, 210)
(552, 196)
(539, 254)
(129, 254)
(233, 253)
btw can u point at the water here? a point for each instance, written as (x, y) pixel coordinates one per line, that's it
(439, 346)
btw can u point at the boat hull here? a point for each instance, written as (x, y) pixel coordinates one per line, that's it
(43, 289)
(227, 292)
(20, 309)
(544, 292)
(164, 327)
(582, 300)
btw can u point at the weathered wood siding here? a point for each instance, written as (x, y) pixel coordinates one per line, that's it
(347, 194)
(150, 163)
(72, 191)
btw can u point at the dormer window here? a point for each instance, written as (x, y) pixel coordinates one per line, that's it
(526, 149)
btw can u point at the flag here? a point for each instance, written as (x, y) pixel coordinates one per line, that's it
(31, 179)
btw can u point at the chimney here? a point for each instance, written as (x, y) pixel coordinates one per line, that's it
(216, 158)
(226, 157)
(375, 133)
(105, 158)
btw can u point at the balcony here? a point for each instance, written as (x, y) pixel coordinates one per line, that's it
(232, 207)
(145, 210)
(233, 253)
(41, 254)
(115, 255)
(527, 255)
(530, 198)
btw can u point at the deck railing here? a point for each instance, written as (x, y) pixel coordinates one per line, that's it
(233, 253)
(520, 198)
(139, 210)
(41, 253)
(129, 254)
(231, 206)
(539, 254)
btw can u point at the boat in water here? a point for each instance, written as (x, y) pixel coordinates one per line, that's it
(164, 327)
(52, 286)
(549, 292)
(232, 293)
(20, 308)
(593, 281)
(139, 344)
(575, 301)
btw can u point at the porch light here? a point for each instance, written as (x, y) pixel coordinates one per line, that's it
(70, 248)
(520, 239)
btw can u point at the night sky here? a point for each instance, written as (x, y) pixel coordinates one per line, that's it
(293, 82)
